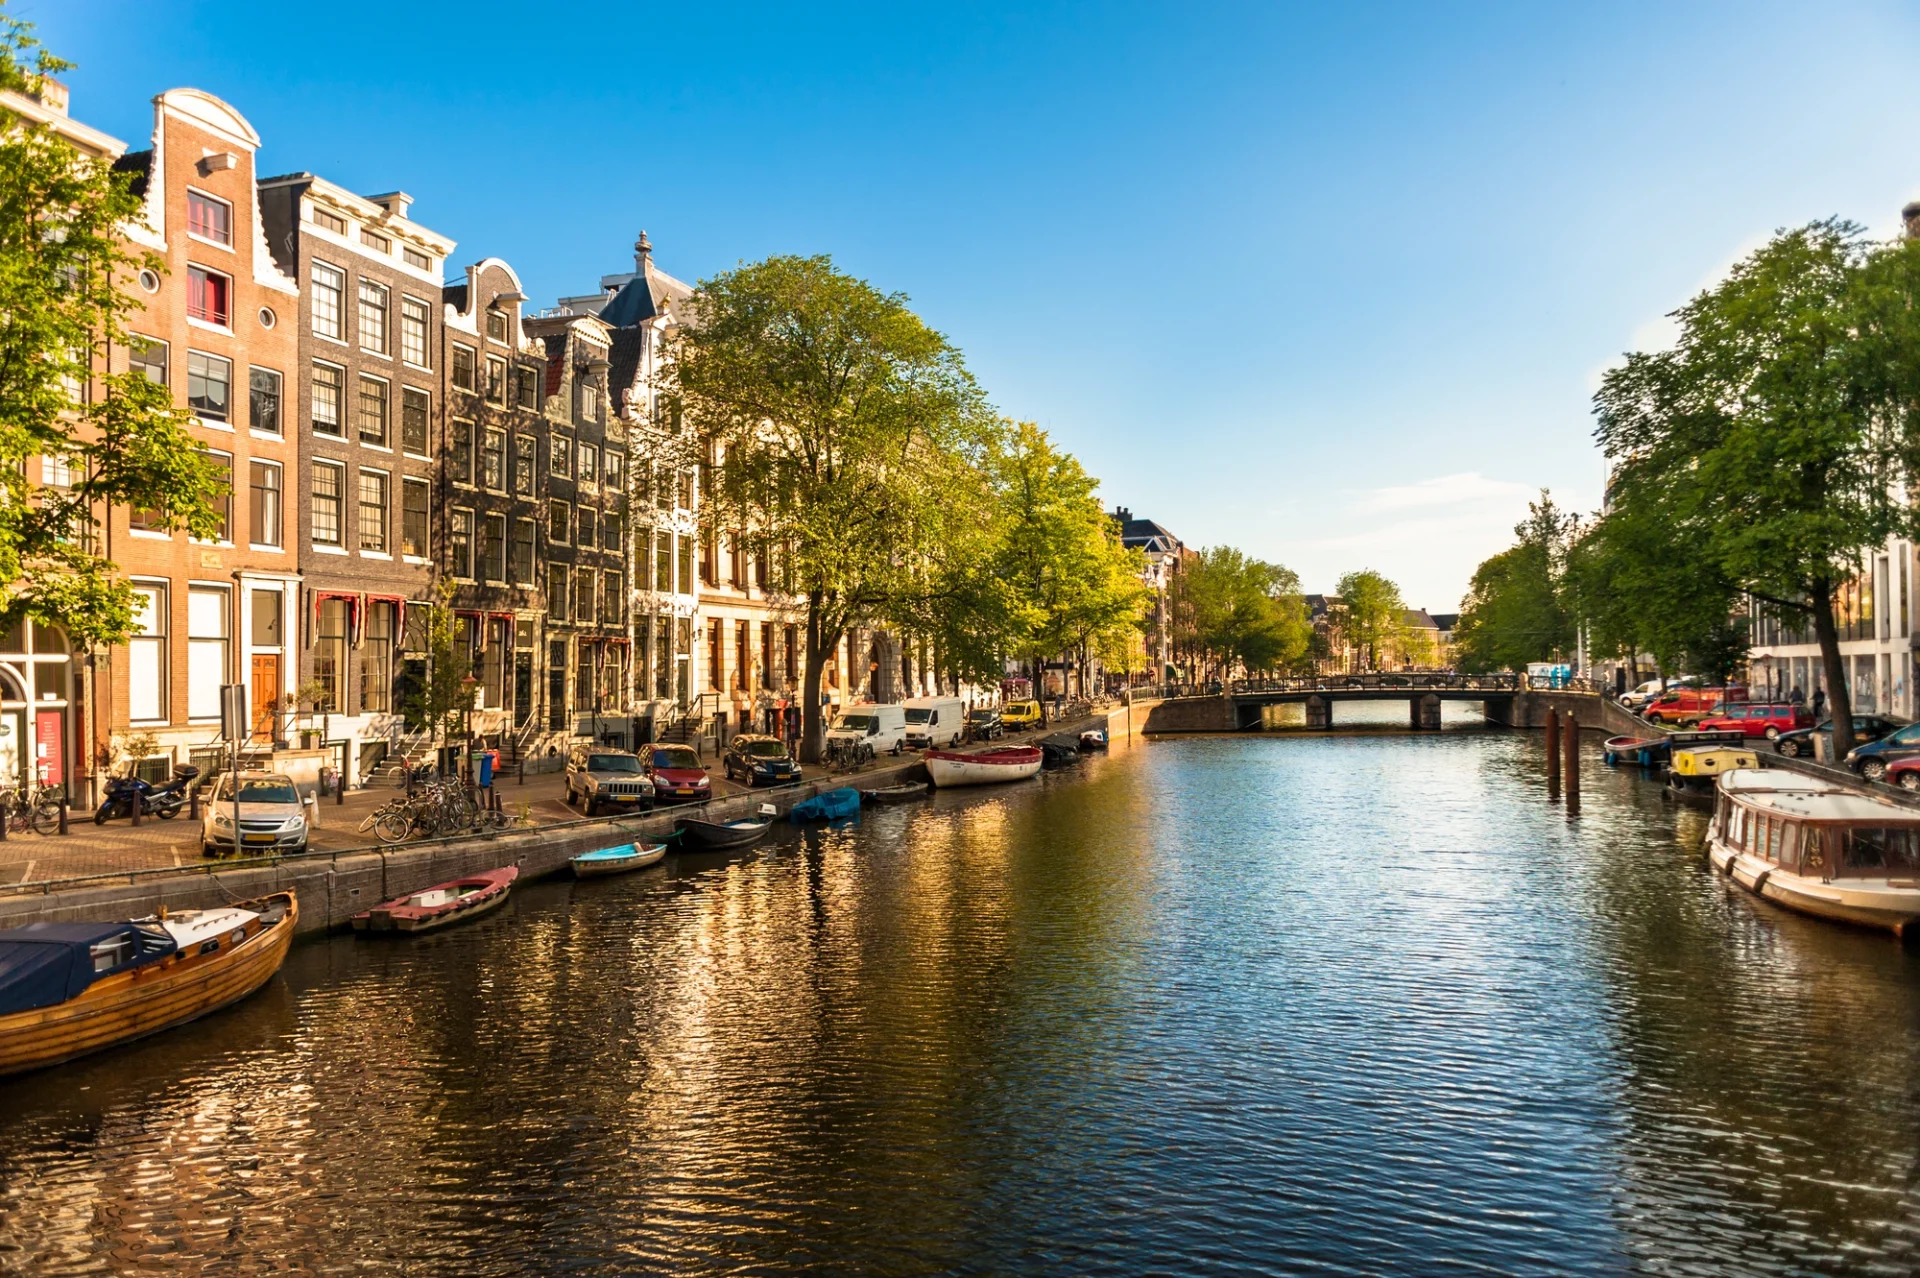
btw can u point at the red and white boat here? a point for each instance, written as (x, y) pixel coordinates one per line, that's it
(442, 904)
(983, 767)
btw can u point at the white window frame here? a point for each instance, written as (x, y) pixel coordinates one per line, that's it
(211, 198)
(339, 291)
(199, 708)
(161, 591)
(339, 544)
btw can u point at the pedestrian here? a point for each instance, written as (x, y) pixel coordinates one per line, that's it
(1797, 697)
(1819, 702)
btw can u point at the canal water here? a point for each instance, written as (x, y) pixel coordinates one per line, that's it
(1359, 1003)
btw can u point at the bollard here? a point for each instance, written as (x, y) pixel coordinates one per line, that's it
(1573, 763)
(6, 817)
(339, 789)
(136, 802)
(520, 769)
(63, 814)
(193, 805)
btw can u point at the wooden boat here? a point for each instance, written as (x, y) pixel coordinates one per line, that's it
(983, 767)
(441, 905)
(1645, 752)
(1694, 773)
(1817, 847)
(897, 793)
(628, 856)
(718, 836)
(67, 989)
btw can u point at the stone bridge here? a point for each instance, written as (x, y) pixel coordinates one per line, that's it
(1237, 706)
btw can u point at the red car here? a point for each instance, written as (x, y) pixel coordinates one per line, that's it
(677, 774)
(1690, 705)
(1904, 773)
(1758, 719)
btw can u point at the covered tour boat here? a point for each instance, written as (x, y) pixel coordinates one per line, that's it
(983, 767)
(441, 905)
(616, 860)
(67, 989)
(1818, 847)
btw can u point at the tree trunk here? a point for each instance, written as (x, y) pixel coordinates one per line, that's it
(1839, 703)
(819, 644)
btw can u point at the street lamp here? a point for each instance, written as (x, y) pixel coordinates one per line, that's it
(467, 684)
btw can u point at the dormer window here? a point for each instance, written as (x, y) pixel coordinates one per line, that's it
(375, 241)
(497, 326)
(417, 260)
(330, 221)
(209, 219)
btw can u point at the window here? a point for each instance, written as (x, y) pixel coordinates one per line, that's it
(686, 566)
(589, 463)
(56, 470)
(414, 408)
(223, 462)
(209, 385)
(527, 388)
(206, 650)
(557, 683)
(560, 459)
(208, 296)
(375, 241)
(616, 465)
(329, 294)
(716, 654)
(209, 218)
(376, 658)
(329, 221)
(460, 542)
(463, 367)
(373, 411)
(587, 533)
(610, 532)
(493, 461)
(263, 506)
(493, 548)
(523, 465)
(743, 656)
(584, 595)
(687, 487)
(522, 566)
(557, 591)
(413, 331)
(373, 317)
(416, 496)
(463, 452)
(263, 400)
(330, 653)
(328, 383)
(373, 510)
(610, 598)
(559, 519)
(147, 655)
(497, 325)
(416, 259)
(663, 562)
(590, 401)
(145, 355)
(792, 655)
(496, 380)
(328, 482)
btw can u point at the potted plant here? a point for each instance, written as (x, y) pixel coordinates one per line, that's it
(316, 695)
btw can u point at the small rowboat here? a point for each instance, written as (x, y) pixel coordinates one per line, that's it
(897, 793)
(1645, 752)
(67, 989)
(441, 905)
(983, 767)
(628, 856)
(718, 836)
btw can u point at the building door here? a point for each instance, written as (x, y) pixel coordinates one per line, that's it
(266, 696)
(13, 746)
(523, 687)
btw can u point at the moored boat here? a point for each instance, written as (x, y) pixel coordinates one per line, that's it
(719, 836)
(897, 793)
(67, 989)
(834, 805)
(618, 860)
(1093, 739)
(441, 905)
(1817, 847)
(1695, 771)
(1645, 752)
(983, 767)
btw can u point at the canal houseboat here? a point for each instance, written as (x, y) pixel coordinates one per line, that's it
(983, 767)
(67, 989)
(1817, 847)
(441, 905)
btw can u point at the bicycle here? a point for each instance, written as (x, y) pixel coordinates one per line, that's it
(848, 755)
(36, 809)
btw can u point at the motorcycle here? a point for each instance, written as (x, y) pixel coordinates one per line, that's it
(164, 801)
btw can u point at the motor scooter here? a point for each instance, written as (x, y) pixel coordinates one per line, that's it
(164, 801)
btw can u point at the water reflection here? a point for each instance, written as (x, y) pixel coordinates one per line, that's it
(1218, 1005)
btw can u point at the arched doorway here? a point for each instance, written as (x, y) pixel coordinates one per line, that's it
(36, 699)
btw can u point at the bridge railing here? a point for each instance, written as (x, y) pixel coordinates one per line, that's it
(1411, 681)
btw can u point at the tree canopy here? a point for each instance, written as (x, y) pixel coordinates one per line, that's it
(1375, 616)
(1515, 612)
(1232, 611)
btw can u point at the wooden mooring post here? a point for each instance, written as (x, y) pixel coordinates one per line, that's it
(1573, 763)
(1553, 750)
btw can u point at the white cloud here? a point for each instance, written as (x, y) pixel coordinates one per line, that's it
(1442, 490)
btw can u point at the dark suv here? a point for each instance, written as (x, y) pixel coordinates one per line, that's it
(757, 760)
(1866, 727)
(984, 724)
(601, 778)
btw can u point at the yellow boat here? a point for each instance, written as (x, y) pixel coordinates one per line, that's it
(1691, 772)
(67, 989)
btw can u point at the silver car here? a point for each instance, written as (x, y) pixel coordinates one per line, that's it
(273, 818)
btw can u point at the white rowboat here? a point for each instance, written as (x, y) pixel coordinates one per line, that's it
(983, 767)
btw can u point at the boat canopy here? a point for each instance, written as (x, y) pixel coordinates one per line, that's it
(44, 964)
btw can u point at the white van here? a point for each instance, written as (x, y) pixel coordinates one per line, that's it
(882, 727)
(935, 721)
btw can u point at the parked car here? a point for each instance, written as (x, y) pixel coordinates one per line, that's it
(601, 778)
(1904, 773)
(1872, 759)
(756, 760)
(1021, 714)
(935, 721)
(1760, 719)
(984, 724)
(1866, 727)
(1636, 699)
(884, 728)
(677, 775)
(273, 816)
(1688, 705)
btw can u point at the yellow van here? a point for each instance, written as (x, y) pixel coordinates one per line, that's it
(1021, 714)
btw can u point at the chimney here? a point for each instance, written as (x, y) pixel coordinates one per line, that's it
(396, 203)
(1122, 514)
(1910, 216)
(642, 255)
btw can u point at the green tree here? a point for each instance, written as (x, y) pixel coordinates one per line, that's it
(62, 307)
(1514, 612)
(1774, 438)
(1235, 612)
(841, 433)
(1375, 615)
(438, 700)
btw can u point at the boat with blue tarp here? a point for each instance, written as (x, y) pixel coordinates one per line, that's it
(616, 860)
(831, 806)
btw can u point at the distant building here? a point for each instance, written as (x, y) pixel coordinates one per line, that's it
(1445, 622)
(1331, 652)
(1162, 550)
(1420, 646)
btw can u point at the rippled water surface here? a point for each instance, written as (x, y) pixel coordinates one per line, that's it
(1285, 1003)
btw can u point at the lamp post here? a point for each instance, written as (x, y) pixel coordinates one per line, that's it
(467, 684)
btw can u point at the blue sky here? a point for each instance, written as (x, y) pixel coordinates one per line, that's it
(1332, 283)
